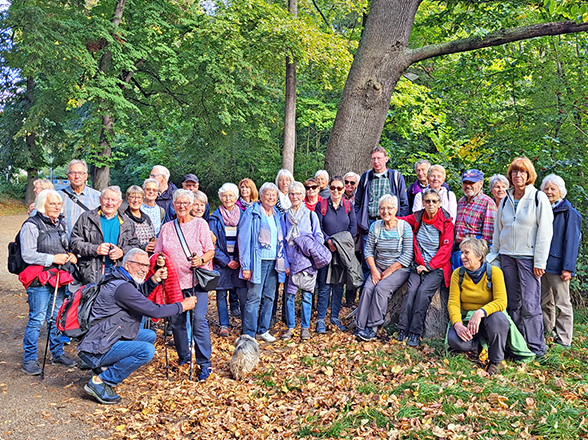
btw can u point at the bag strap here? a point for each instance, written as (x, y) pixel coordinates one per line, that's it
(347, 206)
(488, 275)
(182, 239)
(461, 274)
(323, 207)
(76, 200)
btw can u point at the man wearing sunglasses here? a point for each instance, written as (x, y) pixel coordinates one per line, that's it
(350, 179)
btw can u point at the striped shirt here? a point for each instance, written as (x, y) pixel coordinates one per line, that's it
(390, 247)
(475, 218)
(379, 186)
(428, 241)
(72, 211)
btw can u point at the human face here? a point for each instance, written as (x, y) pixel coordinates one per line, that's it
(421, 172)
(436, 179)
(77, 175)
(138, 267)
(53, 205)
(183, 206)
(321, 179)
(151, 192)
(191, 186)
(336, 189)
(283, 183)
(469, 259)
(379, 161)
(499, 191)
(519, 178)
(198, 208)
(350, 184)
(312, 191)
(228, 200)
(471, 189)
(387, 211)
(245, 191)
(296, 197)
(552, 192)
(431, 204)
(157, 175)
(109, 203)
(269, 199)
(37, 188)
(135, 201)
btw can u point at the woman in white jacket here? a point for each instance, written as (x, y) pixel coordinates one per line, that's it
(522, 237)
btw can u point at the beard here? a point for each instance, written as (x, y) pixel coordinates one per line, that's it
(139, 279)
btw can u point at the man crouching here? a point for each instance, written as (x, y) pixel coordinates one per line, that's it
(115, 343)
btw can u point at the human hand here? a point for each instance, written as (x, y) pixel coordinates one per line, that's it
(538, 272)
(287, 271)
(150, 246)
(233, 264)
(189, 303)
(71, 258)
(60, 259)
(331, 246)
(103, 249)
(376, 276)
(474, 323)
(421, 268)
(115, 253)
(197, 261)
(462, 331)
(160, 260)
(566, 275)
(247, 274)
(159, 275)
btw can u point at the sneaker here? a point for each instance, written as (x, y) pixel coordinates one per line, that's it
(267, 337)
(337, 323)
(401, 335)
(493, 368)
(413, 340)
(224, 332)
(305, 334)
(204, 373)
(287, 334)
(367, 334)
(66, 340)
(102, 392)
(63, 360)
(320, 327)
(31, 368)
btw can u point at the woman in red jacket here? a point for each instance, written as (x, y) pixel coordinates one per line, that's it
(433, 239)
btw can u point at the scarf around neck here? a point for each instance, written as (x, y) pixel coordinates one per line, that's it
(136, 219)
(294, 217)
(230, 218)
(245, 204)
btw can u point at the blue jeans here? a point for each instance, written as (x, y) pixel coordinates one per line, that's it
(123, 358)
(221, 307)
(304, 312)
(260, 300)
(40, 301)
(324, 292)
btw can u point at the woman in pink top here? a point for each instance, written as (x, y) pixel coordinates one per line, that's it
(197, 235)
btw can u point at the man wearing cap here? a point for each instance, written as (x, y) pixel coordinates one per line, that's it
(476, 212)
(190, 183)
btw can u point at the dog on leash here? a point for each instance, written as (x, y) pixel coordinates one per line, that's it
(245, 357)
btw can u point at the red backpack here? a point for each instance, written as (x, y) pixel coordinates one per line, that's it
(346, 206)
(73, 317)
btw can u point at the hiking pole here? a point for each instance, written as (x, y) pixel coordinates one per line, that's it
(191, 315)
(50, 322)
(165, 328)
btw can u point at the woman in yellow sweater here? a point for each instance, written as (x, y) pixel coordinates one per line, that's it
(486, 300)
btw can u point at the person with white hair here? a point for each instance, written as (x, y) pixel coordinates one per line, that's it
(166, 188)
(351, 180)
(421, 169)
(558, 315)
(283, 181)
(44, 246)
(102, 236)
(322, 178)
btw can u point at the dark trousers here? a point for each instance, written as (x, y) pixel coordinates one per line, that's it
(200, 330)
(420, 291)
(493, 328)
(523, 290)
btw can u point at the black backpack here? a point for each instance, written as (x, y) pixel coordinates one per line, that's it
(15, 262)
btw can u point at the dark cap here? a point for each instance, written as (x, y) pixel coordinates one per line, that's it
(472, 176)
(191, 178)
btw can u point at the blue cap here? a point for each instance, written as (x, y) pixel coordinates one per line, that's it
(472, 176)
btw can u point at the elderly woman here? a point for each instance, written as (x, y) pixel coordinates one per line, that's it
(389, 253)
(248, 194)
(38, 186)
(149, 207)
(196, 234)
(433, 240)
(336, 215)
(312, 193)
(299, 221)
(436, 178)
(283, 181)
(44, 245)
(522, 236)
(476, 304)
(351, 180)
(223, 224)
(322, 177)
(558, 314)
(144, 229)
(261, 255)
(498, 186)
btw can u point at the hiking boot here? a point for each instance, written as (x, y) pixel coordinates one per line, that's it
(267, 337)
(305, 334)
(224, 332)
(288, 334)
(204, 373)
(102, 392)
(401, 335)
(31, 368)
(320, 327)
(413, 340)
(63, 360)
(367, 334)
(337, 323)
(493, 368)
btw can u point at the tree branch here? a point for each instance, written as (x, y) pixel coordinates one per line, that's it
(495, 39)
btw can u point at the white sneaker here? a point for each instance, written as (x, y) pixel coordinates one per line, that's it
(266, 337)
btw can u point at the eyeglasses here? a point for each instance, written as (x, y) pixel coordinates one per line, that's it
(518, 172)
(350, 182)
(295, 194)
(76, 173)
(182, 203)
(153, 176)
(142, 265)
(311, 187)
(135, 198)
(336, 188)
(431, 201)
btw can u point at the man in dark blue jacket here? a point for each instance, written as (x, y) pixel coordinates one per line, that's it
(115, 339)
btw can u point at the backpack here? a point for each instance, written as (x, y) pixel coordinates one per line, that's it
(488, 275)
(346, 206)
(73, 317)
(15, 262)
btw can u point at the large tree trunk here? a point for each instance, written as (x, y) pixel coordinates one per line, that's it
(290, 105)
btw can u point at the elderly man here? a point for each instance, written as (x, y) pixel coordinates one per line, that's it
(116, 345)
(476, 213)
(190, 183)
(166, 188)
(77, 197)
(421, 168)
(102, 236)
(351, 180)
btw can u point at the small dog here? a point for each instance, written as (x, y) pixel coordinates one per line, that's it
(245, 357)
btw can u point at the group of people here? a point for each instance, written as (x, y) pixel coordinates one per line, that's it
(507, 260)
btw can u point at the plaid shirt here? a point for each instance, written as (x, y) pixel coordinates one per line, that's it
(72, 211)
(476, 218)
(378, 187)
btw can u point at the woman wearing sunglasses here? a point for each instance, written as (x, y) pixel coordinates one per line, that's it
(312, 188)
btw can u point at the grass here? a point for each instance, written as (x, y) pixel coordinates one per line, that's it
(9, 206)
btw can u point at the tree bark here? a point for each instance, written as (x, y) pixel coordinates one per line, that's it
(290, 105)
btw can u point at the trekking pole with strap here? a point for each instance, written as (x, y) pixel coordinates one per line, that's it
(191, 315)
(165, 328)
(50, 323)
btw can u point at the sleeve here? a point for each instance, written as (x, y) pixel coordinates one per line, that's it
(204, 236)
(130, 298)
(160, 240)
(244, 239)
(370, 243)
(572, 240)
(443, 254)
(418, 202)
(495, 248)
(544, 216)
(352, 221)
(452, 205)
(407, 254)
(317, 233)
(206, 215)
(454, 301)
(489, 220)
(79, 244)
(170, 214)
(360, 192)
(29, 234)
(130, 239)
(499, 301)
(402, 197)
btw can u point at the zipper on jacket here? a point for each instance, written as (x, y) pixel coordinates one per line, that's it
(112, 333)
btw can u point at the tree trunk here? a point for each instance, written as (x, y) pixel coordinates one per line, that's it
(31, 141)
(101, 175)
(290, 105)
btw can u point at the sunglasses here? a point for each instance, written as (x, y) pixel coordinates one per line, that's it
(350, 182)
(313, 187)
(336, 188)
(431, 201)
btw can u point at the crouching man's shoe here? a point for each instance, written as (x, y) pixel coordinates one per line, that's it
(102, 392)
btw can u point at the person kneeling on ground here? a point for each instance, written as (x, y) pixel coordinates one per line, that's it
(116, 341)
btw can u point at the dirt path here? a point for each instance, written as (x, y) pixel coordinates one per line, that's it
(30, 409)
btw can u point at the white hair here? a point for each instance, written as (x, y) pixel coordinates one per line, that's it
(200, 196)
(150, 180)
(228, 187)
(163, 170)
(75, 162)
(114, 189)
(183, 193)
(42, 198)
(555, 179)
(299, 186)
(283, 173)
(498, 178)
(352, 174)
(322, 173)
(421, 162)
(388, 198)
(268, 186)
(130, 255)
